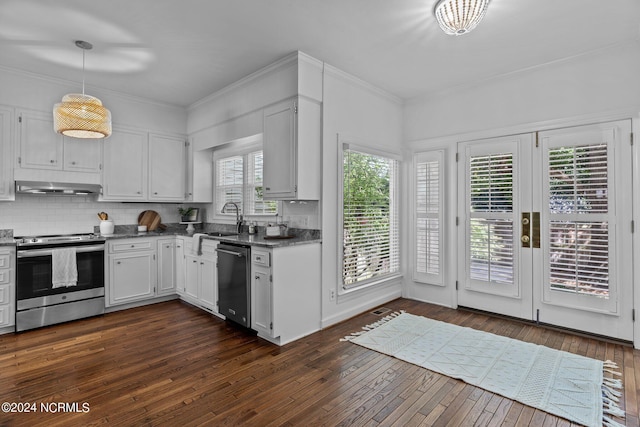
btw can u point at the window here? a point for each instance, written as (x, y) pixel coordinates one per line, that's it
(238, 179)
(370, 225)
(428, 217)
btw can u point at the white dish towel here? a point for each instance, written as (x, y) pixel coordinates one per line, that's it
(197, 243)
(64, 269)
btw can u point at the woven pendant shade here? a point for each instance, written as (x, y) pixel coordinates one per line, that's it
(81, 116)
(458, 17)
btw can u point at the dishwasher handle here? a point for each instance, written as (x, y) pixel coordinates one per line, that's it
(238, 254)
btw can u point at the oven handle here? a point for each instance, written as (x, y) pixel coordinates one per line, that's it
(48, 252)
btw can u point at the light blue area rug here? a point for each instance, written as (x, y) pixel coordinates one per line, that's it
(560, 383)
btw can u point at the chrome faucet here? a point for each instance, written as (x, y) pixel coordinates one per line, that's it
(239, 220)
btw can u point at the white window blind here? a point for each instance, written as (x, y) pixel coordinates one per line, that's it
(229, 181)
(239, 180)
(428, 217)
(491, 226)
(578, 230)
(370, 218)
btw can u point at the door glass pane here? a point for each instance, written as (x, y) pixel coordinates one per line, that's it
(579, 257)
(491, 183)
(578, 179)
(579, 250)
(491, 248)
(491, 237)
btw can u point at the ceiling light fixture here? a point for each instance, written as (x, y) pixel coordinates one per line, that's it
(80, 115)
(458, 17)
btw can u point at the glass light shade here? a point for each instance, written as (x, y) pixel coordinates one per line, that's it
(81, 116)
(457, 17)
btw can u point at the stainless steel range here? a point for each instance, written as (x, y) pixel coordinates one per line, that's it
(58, 278)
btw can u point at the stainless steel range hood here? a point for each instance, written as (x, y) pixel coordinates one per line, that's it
(62, 188)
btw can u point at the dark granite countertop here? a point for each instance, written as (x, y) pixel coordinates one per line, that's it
(301, 236)
(7, 241)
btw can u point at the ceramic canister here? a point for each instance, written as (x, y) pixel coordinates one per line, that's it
(106, 226)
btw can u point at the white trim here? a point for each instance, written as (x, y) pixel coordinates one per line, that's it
(635, 186)
(585, 119)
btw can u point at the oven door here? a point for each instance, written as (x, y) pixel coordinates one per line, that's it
(33, 276)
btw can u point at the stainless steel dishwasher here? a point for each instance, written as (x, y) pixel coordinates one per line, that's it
(234, 282)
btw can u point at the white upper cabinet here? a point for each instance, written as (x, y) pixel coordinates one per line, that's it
(144, 167)
(6, 163)
(291, 147)
(40, 147)
(82, 155)
(125, 166)
(167, 163)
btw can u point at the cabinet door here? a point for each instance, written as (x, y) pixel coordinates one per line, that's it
(40, 146)
(180, 266)
(192, 273)
(6, 162)
(125, 166)
(82, 155)
(132, 277)
(261, 302)
(167, 168)
(208, 282)
(166, 266)
(279, 148)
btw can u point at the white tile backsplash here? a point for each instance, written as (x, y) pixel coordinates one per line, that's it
(52, 214)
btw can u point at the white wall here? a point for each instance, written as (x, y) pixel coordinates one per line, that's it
(360, 111)
(578, 90)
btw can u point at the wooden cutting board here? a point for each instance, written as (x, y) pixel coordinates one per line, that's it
(149, 218)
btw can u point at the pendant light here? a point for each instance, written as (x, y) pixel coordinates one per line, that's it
(458, 17)
(80, 115)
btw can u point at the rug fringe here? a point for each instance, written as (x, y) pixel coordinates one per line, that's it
(373, 326)
(611, 396)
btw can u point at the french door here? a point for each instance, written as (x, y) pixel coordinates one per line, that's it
(544, 227)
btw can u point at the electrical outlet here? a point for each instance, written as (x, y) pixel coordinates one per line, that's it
(332, 294)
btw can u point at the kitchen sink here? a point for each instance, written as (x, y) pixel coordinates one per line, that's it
(222, 234)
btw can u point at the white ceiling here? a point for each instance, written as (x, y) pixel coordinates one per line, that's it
(179, 51)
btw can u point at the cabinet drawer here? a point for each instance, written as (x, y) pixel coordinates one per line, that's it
(5, 294)
(262, 258)
(5, 260)
(131, 245)
(6, 315)
(5, 277)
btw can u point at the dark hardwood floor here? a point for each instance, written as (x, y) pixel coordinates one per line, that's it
(171, 364)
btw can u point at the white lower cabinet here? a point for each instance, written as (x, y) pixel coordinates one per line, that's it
(261, 308)
(200, 284)
(180, 265)
(285, 292)
(132, 270)
(7, 287)
(167, 267)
